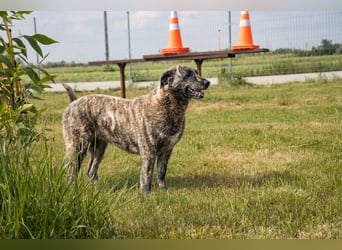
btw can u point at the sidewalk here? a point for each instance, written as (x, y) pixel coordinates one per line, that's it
(258, 80)
(105, 85)
(278, 79)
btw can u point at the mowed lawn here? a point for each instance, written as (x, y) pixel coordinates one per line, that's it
(254, 162)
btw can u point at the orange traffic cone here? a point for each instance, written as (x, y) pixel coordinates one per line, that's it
(175, 45)
(245, 39)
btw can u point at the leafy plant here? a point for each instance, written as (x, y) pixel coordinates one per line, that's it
(35, 199)
(17, 115)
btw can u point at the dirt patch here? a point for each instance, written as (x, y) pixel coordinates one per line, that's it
(259, 161)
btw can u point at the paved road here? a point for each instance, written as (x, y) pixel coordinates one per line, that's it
(259, 80)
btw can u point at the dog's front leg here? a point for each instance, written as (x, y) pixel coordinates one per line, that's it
(163, 160)
(146, 172)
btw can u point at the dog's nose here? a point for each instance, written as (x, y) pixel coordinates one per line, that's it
(206, 84)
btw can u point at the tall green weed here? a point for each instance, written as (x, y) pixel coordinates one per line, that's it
(37, 202)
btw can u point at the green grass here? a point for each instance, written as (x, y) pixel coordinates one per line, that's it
(242, 66)
(37, 202)
(254, 162)
(277, 64)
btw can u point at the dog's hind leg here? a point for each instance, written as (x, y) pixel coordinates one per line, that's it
(96, 152)
(162, 162)
(76, 156)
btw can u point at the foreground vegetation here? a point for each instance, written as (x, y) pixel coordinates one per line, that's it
(255, 162)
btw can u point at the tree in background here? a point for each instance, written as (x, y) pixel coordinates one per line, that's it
(325, 48)
(328, 48)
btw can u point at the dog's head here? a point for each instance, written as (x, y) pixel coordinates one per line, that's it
(184, 82)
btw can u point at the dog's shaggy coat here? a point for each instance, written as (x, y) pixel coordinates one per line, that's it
(149, 125)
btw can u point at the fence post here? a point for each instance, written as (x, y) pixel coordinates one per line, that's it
(129, 49)
(230, 70)
(106, 35)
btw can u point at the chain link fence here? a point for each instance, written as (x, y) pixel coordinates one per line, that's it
(299, 41)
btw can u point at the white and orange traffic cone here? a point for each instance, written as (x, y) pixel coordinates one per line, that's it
(245, 39)
(175, 45)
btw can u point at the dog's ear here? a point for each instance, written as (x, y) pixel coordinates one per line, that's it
(180, 70)
(167, 77)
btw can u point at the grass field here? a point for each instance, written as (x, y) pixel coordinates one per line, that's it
(242, 66)
(254, 162)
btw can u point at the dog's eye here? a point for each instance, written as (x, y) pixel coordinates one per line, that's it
(188, 74)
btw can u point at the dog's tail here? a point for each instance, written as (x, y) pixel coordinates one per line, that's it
(71, 93)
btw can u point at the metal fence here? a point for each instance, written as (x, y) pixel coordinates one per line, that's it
(299, 41)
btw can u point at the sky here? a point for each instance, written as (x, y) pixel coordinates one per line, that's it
(81, 33)
(148, 5)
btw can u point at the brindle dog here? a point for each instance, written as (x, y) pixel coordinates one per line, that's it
(149, 125)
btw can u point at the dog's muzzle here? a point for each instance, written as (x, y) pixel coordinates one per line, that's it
(198, 93)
